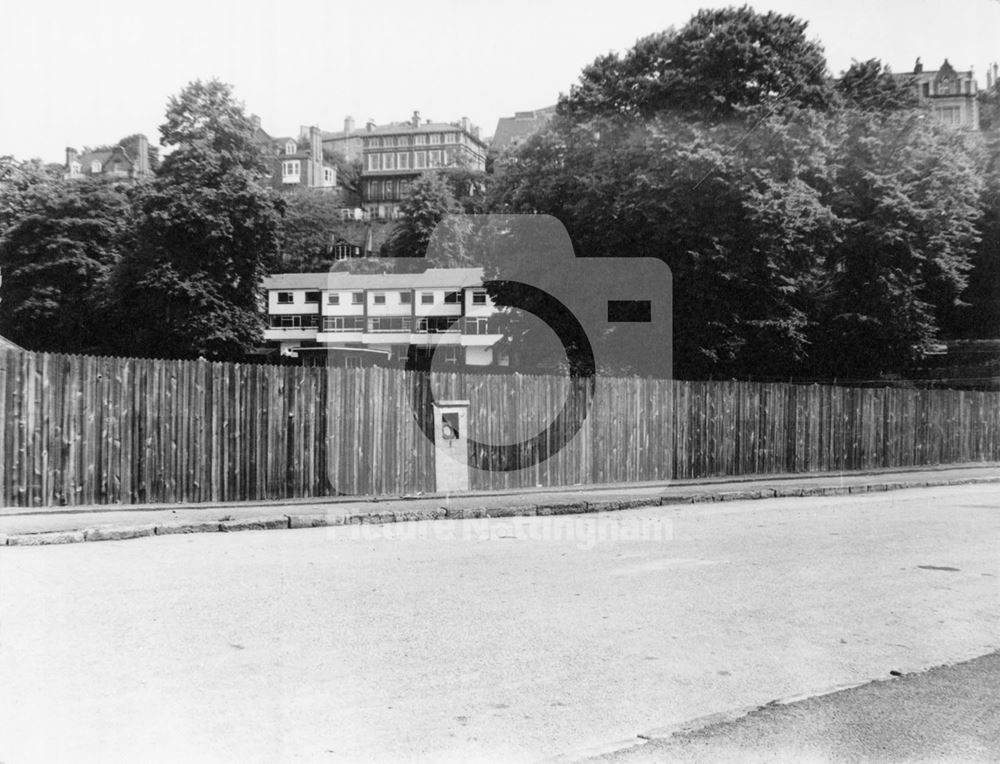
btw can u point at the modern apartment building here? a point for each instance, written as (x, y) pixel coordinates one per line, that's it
(348, 319)
(394, 155)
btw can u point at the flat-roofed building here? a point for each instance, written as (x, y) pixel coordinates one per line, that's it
(362, 319)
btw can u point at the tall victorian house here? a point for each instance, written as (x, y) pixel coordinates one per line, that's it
(394, 155)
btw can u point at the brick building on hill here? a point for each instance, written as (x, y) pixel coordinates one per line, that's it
(110, 162)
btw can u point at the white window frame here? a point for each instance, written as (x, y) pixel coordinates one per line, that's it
(403, 161)
(95, 166)
(291, 171)
(333, 298)
(285, 298)
(357, 298)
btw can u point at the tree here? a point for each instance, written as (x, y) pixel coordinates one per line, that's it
(907, 194)
(308, 227)
(870, 86)
(721, 62)
(426, 202)
(208, 232)
(18, 180)
(57, 259)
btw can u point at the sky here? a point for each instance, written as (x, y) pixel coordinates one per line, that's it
(87, 72)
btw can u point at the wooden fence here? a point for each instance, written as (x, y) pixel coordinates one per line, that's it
(84, 430)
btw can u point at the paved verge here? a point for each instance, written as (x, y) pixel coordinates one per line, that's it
(64, 525)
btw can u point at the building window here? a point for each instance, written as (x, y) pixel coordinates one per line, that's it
(420, 160)
(387, 190)
(373, 163)
(74, 169)
(450, 354)
(451, 137)
(357, 298)
(290, 147)
(452, 298)
(343, 324)
(449, 157)
(387, 163)
(290, 171)
(327, 176)
(403, 161)
(312, 296)
(95, 166)
(333, 298)
(378, 298)
(925, 90)
(341, 251)
(420, 140)
(435, 159)
(389, 141)
(426, 298)
(479, 297)
(285, 298)
(405, 298)
(435, 137)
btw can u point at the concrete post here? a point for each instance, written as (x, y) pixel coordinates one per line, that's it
(451, 438)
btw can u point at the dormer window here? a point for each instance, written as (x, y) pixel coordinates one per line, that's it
(95, 166)
(74, 169)
(290, 147)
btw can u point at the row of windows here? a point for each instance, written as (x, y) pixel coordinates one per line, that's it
(421, 139)
(948, 87)
(379, 298)
(417, 160)
(386, 324)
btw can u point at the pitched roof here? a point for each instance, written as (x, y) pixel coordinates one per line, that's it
(522, 125)
(6, 344)
(445, 278)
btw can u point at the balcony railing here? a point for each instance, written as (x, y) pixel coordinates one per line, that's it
(387, 324)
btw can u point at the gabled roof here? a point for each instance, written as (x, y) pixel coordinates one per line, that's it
(6, 344)
(440, 278)
(522, 125)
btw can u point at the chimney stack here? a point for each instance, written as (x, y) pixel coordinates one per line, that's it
(71, 156)
(348, 125)
(142, 160)
(415, 120)
(370, 125)
(465, 124)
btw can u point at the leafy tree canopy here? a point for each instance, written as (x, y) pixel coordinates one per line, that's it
(56, 262)
(870, 86)
(208, 233)
(719, 63)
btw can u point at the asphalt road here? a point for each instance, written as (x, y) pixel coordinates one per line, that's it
(946, 714)
(507, 639)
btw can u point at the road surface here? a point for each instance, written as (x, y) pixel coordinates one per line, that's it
(506, 639)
